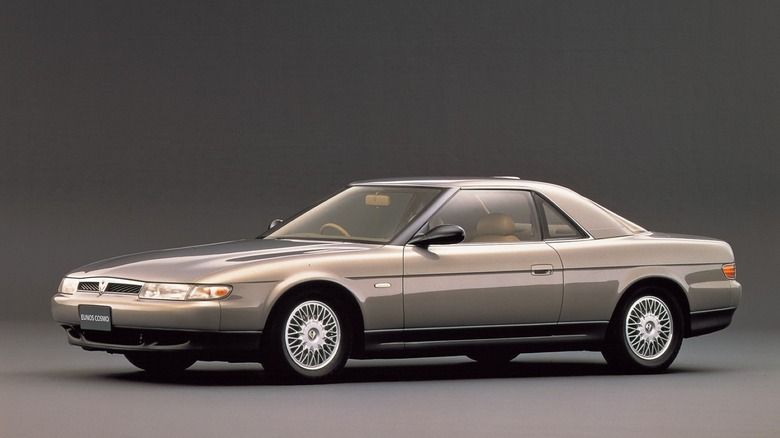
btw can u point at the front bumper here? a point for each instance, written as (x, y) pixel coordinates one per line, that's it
(158, 325)
(203, 345)
(128, 311)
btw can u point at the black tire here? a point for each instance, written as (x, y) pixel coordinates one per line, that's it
(160, 363)
(645, 333)
(309, 339)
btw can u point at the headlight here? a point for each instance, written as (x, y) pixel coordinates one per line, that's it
(164, 291)
(175, 291)
(68, 285)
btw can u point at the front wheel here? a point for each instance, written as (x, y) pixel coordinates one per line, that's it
(646, 332)
(309, 339)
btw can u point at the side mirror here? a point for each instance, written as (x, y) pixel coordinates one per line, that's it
(441, 235)
(275, 223)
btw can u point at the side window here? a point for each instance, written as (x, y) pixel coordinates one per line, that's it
(558, 226)
(491, 216)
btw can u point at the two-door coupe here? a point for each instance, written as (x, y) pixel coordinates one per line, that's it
(483, 267)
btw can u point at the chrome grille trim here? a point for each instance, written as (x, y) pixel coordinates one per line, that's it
(110, 285)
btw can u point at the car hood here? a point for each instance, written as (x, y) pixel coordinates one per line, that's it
(191, 263)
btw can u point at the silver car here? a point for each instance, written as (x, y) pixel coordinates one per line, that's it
(482, 267)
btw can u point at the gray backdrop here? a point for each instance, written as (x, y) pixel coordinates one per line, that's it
(129, 126)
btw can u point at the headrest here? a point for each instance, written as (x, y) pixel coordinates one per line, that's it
(495, 224)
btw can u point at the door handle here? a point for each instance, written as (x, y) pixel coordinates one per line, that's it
(541, 269)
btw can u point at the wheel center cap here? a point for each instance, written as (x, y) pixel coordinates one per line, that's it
(313, 335)
(648, 327)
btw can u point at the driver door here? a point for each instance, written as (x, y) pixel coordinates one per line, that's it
(501, 280)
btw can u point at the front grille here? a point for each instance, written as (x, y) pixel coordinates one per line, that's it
(123, 288)
(89, 286)
(113, 287)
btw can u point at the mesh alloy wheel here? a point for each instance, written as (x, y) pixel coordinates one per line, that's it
(312, 335)
(649, 328)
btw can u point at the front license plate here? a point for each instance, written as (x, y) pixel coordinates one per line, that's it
(95, 318)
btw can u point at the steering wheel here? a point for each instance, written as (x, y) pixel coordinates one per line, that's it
(336, 227)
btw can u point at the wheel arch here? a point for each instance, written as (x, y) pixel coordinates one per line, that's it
(333, 291)
(674, 289)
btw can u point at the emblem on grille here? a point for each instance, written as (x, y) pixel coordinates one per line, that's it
(103, 285)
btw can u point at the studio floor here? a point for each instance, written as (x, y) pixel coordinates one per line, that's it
(722, 385)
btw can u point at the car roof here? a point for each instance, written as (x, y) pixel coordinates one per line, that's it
(495, 181)
(598, 221)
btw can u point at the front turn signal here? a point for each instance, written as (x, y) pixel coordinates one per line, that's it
(730, 271)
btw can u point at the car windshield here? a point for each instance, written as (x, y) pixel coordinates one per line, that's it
(359, 214)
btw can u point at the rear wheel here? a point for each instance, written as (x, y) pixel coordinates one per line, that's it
(160, 363)
(309, 339)
(646, 332)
